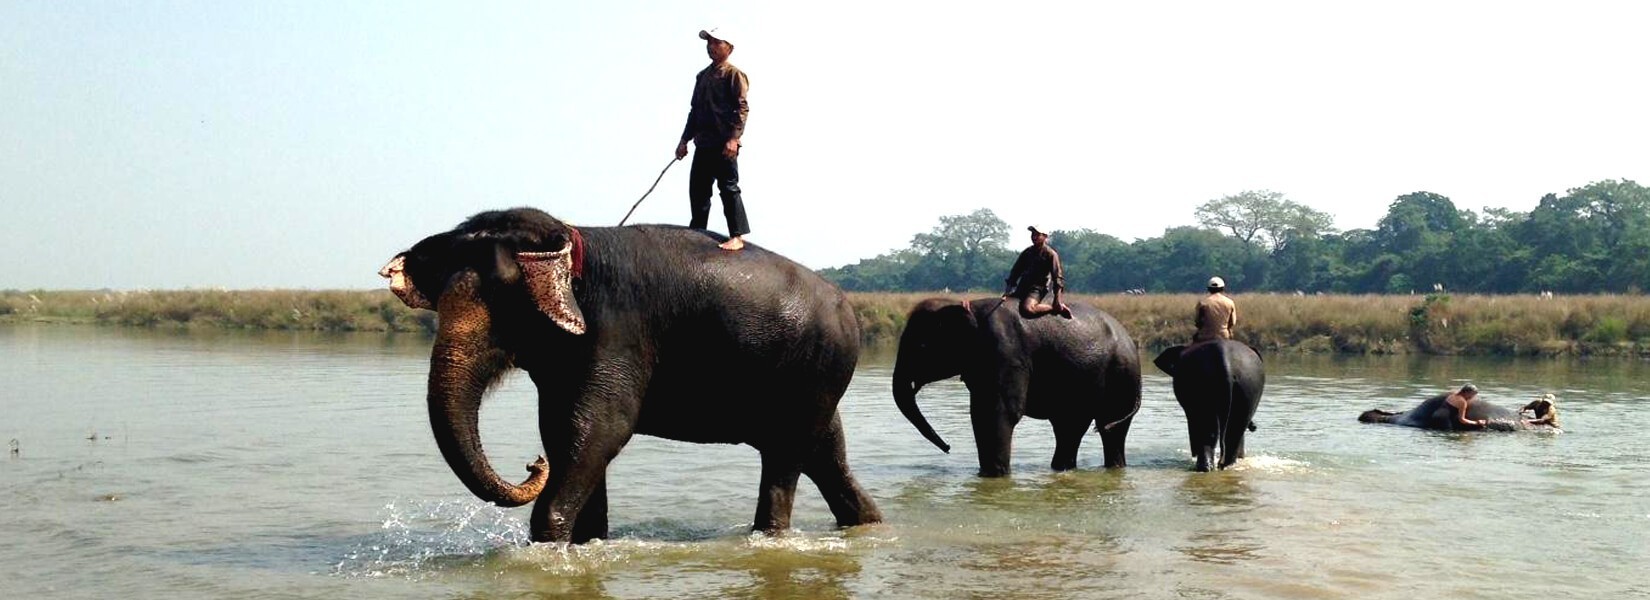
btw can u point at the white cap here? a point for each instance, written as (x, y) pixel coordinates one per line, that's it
(718, 33)
(1217, 283)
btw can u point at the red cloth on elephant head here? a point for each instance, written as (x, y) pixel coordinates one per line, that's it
(578, 251)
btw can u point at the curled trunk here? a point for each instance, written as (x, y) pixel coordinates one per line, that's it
(905, 397)
(462, 365)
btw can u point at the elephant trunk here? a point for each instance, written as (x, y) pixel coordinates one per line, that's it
(905, 397)
(463, 363)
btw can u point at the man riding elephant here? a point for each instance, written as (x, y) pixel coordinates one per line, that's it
(1035, 273)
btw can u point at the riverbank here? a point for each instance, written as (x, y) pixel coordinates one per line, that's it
(1610, 325)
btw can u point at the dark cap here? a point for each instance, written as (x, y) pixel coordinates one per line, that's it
(1034, 231)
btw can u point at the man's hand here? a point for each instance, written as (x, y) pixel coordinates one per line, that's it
(681, 151)
(731, 149)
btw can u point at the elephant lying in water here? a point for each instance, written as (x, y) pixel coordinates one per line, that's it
(1436, 413)
(625, 330)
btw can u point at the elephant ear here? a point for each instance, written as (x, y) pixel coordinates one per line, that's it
(1168, 359)
(959, 315)
(550, 281)
(401, 286)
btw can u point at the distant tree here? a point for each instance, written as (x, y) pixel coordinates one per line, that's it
(1185, 257)
(1264, 218)
(964, 252)
(1595, 238)
(1411, 217)
(1095, 262)
(891, 271)
(1419, 232)
(1485, 256)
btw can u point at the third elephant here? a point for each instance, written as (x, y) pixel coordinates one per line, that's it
(1074, 372)
(1218, 384)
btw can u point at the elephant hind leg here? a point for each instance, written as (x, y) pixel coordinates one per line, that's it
(1112, 442)
(828, 468)
(1068, 436)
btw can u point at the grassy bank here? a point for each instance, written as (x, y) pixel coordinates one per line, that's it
(314, 310)
(1442, 324)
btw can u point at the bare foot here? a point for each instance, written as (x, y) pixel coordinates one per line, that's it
(736, 243)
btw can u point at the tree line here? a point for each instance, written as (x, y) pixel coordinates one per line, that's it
(1592, 239)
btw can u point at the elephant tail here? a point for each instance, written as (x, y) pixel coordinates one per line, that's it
(1225, 424)
(1099, 428)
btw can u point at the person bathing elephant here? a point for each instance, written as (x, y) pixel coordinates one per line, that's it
(633, 330)
(1072, 372)
(1460, 410)
(1218, 384)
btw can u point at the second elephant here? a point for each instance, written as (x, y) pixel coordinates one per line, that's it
(1218, 384)
(1070, 371)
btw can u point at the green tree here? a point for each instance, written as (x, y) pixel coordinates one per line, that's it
(1264, 218)
(1093, 261)
(1593, 238)
(1185, 257)
(964, 252)
(1419, 232)
(886, 272)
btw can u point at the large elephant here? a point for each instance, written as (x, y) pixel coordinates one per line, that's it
(1218, 384)
(1436, 413)
(1071, 371)
(627, 330)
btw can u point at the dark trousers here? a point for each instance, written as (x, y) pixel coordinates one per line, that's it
(709, 165)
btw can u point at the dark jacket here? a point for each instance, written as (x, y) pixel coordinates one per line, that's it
(718, 109)
(1037, 269)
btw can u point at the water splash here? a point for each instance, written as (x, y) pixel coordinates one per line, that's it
(420, 539)
(1271, 464)
(415, 534)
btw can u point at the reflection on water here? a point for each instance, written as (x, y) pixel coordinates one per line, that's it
(1222, 500)
(223, 464)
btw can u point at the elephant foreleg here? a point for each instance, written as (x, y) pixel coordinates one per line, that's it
(580, 444)
(828, 468)
(577, 489)
(591, 523)
(1068, 436)
(777, 492)
(993, 437)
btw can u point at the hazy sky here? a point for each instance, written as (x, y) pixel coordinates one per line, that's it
(301, 144)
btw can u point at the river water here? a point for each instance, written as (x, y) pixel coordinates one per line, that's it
(279, 465)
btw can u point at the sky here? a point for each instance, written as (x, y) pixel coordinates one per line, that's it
(301, 144)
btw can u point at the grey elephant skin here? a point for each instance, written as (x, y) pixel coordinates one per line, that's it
(1435, 413)
(1218, 384)
(1072, 372)
(655, 331)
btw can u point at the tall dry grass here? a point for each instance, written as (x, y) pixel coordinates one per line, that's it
(1439, 324)
(1362, 324)
(318, 310)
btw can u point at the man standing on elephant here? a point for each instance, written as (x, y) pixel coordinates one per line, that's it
(715, 123)
(1216, 314)
(1036, 272)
